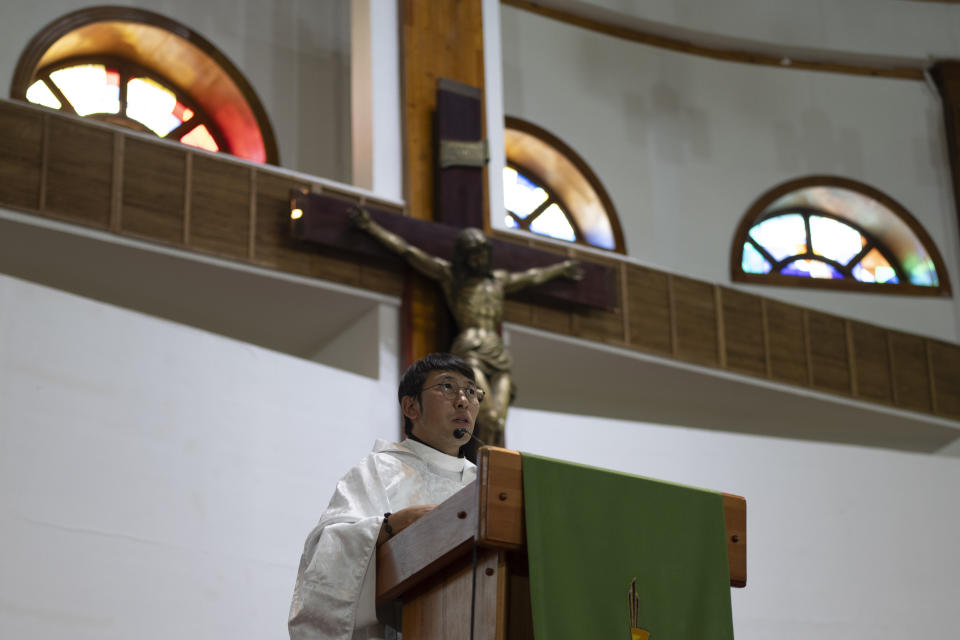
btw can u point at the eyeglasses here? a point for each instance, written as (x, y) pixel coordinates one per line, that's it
(451, 391)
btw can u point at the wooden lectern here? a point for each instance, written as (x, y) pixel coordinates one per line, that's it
(474, 543)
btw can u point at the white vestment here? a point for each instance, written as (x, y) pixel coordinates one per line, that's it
(335, 591)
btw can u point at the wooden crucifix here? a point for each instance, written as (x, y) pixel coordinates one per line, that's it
(459, 158)
(444, 253)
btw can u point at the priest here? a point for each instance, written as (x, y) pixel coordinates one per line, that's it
(385, 493)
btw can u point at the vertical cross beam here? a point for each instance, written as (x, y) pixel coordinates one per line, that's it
(440, 39)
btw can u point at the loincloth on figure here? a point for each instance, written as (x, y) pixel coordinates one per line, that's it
(487, 353)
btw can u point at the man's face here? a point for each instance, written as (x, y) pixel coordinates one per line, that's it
(435, 416)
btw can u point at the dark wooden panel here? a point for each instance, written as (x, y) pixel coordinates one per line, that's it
(648, 304)
(274, 246)
(220, 207)
(911, 378)
(154, 190)
(80, 172)
(515, 311)
(334, 268)
(743, 332)
(603, 325)
(21, 131)
(785, 337)
(871, 362)
(383, 279)
(550, 319)
(829, 357)
(695, 307)
(460, 189)
(519, 609)
(945, 367)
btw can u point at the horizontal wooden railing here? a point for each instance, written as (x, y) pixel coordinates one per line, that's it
(95, 175)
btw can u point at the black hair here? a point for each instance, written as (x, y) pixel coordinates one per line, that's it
(411, 384)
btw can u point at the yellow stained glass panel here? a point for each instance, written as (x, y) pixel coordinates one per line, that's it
(200, 137)
(152, 105)
(88, 89)
(39, 93)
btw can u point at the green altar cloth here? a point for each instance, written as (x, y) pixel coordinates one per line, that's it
(590, 532)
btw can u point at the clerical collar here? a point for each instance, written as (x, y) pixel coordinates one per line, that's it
(410, 436)
(434, 456)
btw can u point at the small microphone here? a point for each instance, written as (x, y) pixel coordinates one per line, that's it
(459, 432)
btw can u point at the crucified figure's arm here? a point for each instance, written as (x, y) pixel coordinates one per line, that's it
(431, 266)
(538, 275)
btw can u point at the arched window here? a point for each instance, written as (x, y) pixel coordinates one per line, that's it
(549, 190)
(831, 232)
(140, 70)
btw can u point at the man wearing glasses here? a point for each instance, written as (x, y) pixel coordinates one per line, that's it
(384, 494)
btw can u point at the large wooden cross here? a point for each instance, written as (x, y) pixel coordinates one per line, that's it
(324, 221)
(442, 62)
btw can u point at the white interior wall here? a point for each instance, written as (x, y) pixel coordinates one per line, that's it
(296, 56)
(844, 542)
(872, 27)
(158, 481)
(375, 100)
(684, 145)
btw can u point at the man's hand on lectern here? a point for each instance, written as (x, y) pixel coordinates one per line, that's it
(400, 520)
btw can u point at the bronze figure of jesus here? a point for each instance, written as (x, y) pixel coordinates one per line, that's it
(474, 292)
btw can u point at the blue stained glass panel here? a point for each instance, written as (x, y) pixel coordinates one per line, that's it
(753, 261)
(520, 194)
(811, 269)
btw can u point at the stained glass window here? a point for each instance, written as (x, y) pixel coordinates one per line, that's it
(126, 95)
(816, 246)
(139, 69)
(549, 190)
(530, 206)
(842, 231)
